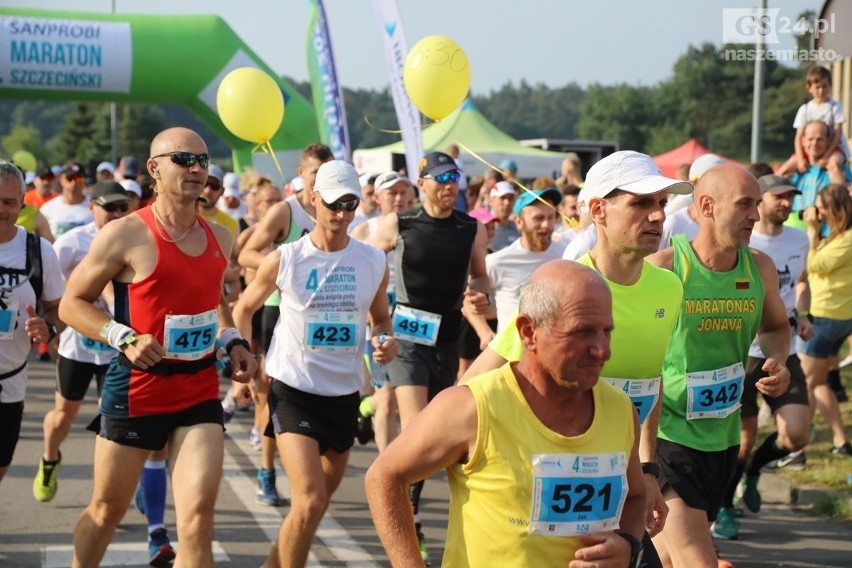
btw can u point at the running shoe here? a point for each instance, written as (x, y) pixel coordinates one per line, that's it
(255, 439)
(43, 352)
(160, 551)
(44, 484)
(751, 496)
(795, 461)
(424, 552)
(721, 562)
(844, 450)
(726, 527)
(267, 494)
(846, 361)
(139, 499)
(229, 405)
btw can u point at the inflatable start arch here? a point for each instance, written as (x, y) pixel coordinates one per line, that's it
(141, 58)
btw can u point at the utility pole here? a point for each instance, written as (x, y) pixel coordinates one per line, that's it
(113, 121)
(757, 110)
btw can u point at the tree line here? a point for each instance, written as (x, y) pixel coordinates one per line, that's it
(706, 97)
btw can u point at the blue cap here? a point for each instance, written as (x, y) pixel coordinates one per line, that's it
(510, 165)
(551, 194)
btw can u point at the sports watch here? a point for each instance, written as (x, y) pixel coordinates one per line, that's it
(635, 548)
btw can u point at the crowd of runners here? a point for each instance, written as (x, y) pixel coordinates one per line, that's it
(582, 356)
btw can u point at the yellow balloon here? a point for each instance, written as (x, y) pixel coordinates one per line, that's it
(250, 104)
(436, 76)
(25, 160)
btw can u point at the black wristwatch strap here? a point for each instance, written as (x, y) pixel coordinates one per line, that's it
(234, 342)
(651, 468)
(635, 548)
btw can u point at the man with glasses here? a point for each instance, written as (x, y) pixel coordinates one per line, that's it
(71, 208)
(208, 209)
(45, 183)
(294, 217)
(331, 287)
(285, 222)
(166, 265)
(19, 324)
(436, 247)
(394, 193)
(80, 358)
(210, 197)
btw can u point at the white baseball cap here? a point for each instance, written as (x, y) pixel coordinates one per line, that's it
(703, 163)
(215, 171)
(297, 184)
(130, 186)
(502, 188)
(336, 179)
(629, 171)
(389, 179)
(365, 178)
(108, 166)
(231, 184)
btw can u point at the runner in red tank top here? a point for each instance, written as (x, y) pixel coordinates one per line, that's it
(166, 267)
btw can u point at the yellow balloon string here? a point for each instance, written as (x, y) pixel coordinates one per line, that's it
(571, 222)
(389, 131)
(266, 146)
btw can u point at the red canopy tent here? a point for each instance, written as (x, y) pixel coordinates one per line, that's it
(670, 161)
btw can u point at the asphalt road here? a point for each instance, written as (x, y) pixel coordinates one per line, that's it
(39, 535)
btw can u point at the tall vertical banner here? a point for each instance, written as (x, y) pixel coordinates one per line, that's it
(327, 93)
(393, 39)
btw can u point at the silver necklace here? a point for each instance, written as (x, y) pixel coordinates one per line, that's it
(159, 221)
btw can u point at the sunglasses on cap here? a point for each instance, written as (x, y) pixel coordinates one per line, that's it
(339, 205)
(115, 207)
(445, 178)
(187, 159)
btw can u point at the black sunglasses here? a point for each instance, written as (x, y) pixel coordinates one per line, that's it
(214, 185)
(115, 207)
(187, 159)
(342, 205)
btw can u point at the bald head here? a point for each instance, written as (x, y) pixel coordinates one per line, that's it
(556, 286)
(726, 199)
(177, 139)
(722, 181)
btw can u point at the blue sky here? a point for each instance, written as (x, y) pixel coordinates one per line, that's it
(554, 42)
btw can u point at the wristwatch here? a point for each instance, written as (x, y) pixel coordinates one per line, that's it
(635, 548)
(651, 468)
(803, 314)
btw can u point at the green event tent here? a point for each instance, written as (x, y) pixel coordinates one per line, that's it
(59, 55)
(469, 129)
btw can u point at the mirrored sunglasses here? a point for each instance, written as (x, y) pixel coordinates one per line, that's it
(339, 205)
(187, 159)
(446, 177)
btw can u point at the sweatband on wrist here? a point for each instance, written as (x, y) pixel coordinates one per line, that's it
(117, 334)
(229, 334)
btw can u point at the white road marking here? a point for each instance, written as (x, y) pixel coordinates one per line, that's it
(117, 554)
(330, 532)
